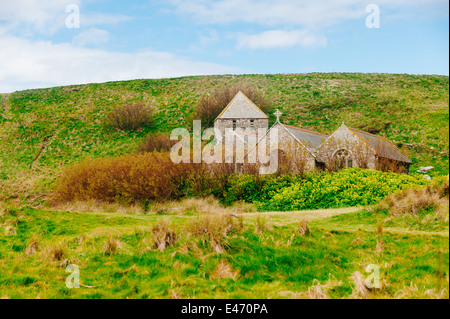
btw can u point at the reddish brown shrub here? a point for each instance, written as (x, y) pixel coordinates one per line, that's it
(130, 116)
(159, 142)
(129, 178)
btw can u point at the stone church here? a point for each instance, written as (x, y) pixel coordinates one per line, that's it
(301, 150)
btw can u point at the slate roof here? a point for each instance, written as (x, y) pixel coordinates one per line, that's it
(382, 146)
(310, 139)
(240, 107)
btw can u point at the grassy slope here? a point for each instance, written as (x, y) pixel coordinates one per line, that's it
(275, 264)
(411, 110)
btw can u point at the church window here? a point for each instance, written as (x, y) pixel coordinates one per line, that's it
(343, 159)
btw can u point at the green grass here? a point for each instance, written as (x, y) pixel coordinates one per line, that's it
(411, 110)
(275, 264)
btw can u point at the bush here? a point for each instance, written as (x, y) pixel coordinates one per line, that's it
(210, 106)
(130, 116)
(140, 178)
(159, 142)
(129, 179)
(349, 187)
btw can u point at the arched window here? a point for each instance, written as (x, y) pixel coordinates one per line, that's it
(343, 159)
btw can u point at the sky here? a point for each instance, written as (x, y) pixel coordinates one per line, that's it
(46, 43)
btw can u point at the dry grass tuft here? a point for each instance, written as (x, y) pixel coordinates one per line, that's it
(10, 231)
(111, 246)
(380, 246)
(412, 291)
(214, 229)
(7, 209)
(57, 253)
(262, 224)
(380, 228)
(412, 201)
(32, 247)
(303, 228)
(318, 290)
(361, 290)
(163, 235)
(357, 241)
(224, 270)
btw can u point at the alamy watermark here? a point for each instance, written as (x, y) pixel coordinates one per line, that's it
(373, 279)
(373, 19)
(73, 19)
(230, 146)
(73, 280)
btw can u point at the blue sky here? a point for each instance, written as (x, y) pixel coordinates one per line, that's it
(122, 40)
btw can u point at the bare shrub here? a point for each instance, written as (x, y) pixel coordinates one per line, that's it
(163, 235)
(303, 228)
(130, 116)
(214, 229)
(159, 142)
(210, 106)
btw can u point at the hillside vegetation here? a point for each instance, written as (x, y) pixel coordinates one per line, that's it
(43, 130)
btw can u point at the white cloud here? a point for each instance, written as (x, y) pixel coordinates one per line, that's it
(92, 36)
(44, 16)
(25, 64)
(312, 14)
(280, 39)
(48, 16)
(91, 19)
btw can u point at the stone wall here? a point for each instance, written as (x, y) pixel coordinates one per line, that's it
(363, 156)
(292, 155)
(222, 124)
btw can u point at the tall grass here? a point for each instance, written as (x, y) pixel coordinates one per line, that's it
(432, 198)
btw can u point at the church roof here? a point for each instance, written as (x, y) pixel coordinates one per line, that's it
(310, 139)
(382, 146)
(241, 107)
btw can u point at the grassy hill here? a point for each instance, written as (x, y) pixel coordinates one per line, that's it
(43, 130)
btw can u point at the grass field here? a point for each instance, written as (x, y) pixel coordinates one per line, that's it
(196, 248)
(43, 130)
(256, 255)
